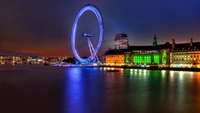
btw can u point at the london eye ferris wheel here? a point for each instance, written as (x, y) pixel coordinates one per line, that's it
(93, 51)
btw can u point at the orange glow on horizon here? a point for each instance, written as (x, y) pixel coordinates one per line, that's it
(49, 52)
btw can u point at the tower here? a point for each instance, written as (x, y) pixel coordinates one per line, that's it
(154, 41)
(121, 41)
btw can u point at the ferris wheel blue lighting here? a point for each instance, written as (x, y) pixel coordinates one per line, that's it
(74, 28)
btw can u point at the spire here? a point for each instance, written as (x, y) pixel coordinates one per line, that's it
(154, 40)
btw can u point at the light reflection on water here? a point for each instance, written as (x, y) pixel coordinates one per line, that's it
(131, 90)
(46, 89)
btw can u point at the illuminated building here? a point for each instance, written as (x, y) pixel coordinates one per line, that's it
(19, 60)
(158, 55)
(114, 57)
(182, 55)
(149, 55)
(185, 55)
(143, 55)
(34, 60)
(121, 41)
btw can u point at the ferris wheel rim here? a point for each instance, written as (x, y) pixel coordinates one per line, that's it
(74, 28)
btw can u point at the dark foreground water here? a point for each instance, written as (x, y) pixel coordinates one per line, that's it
(40, 89)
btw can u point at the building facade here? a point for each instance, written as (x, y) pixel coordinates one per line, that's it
(183, 55)
(114, 57)
(186, 55)
(117, 60)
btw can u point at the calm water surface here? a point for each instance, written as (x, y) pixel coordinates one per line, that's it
(41, 89)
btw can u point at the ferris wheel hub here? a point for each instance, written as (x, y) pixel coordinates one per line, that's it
(87, 35)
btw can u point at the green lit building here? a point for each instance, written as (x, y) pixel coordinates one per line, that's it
(149, 55)
(153, 55)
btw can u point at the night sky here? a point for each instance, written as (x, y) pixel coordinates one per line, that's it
(43, 27)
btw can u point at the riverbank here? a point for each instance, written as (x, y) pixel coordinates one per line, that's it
(124, 67)
(154, 68)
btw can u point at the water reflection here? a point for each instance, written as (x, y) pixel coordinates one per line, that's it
(74, 91)
(131, 90)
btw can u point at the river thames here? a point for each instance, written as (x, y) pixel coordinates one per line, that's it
(46, 89)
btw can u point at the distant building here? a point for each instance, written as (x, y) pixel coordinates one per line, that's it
(121, 41)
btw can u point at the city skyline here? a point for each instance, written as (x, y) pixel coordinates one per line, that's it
(44, 28)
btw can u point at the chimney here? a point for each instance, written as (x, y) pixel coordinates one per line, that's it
(173, 43)
(191, 41)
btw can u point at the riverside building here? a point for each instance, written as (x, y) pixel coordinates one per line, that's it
(182, 55)
(186, 55)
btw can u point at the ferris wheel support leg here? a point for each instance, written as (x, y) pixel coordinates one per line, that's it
(93, 49)
(89, 46)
